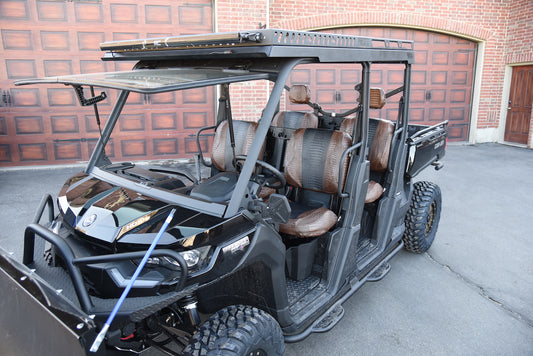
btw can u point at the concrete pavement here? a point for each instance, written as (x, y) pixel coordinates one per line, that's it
(470, 294)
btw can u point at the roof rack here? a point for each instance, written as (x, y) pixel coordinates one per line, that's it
(253, 43)
(268, 37)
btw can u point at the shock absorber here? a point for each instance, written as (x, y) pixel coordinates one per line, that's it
(190, 305)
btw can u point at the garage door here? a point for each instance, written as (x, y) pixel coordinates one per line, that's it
(441, 86)
(46, 125)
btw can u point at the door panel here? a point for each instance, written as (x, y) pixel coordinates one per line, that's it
(46, 125)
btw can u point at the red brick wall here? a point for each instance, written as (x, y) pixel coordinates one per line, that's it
(519, 47)
(236, 15)
(505, 27)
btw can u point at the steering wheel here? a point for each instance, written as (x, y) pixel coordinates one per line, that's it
(280, 181)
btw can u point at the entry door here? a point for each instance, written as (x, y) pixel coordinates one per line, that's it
(519, 108)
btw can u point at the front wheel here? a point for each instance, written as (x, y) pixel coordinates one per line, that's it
(422, 218)
(238, 330)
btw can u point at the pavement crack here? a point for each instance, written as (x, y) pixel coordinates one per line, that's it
(484, 293)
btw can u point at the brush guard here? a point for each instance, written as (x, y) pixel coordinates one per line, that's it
(73, 264)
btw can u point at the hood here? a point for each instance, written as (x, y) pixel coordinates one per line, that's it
(116, 215)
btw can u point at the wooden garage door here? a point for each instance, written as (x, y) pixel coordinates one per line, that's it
(46, 125)
(441, 85)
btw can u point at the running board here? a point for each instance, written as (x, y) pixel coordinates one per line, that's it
(335, 313)
(328, 320)
(378, 274)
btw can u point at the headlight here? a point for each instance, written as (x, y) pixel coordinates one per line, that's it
(195, 259)
(191, 257)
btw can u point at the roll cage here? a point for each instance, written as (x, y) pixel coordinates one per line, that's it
(185, 62)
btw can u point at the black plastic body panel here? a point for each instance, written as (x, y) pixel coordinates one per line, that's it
(259, 281)
(427, 144)
(27, 300)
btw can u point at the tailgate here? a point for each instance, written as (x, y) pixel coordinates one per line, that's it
(426, 146)
(35, 319)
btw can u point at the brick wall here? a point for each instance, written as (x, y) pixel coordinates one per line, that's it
(236, 15)
(504, 26)
(519, 47)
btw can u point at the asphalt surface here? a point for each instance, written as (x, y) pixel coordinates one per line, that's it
(470, 294)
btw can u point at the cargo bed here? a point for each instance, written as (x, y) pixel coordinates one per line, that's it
(427, 145)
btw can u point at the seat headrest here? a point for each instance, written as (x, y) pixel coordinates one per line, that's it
(299, 94)
(377, 98)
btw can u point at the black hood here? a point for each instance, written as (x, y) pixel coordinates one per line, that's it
(116, 215)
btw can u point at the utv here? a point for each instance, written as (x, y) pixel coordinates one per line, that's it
(297, 211)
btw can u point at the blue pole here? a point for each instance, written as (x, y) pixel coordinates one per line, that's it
(101, 334)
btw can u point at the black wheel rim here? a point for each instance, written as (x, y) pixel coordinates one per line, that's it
(257, 352)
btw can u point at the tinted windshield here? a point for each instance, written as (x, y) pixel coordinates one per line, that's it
(153, 80)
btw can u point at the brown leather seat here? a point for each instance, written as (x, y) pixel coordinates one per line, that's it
(222, 155)
(285, 123)
(380, 149)
(379, 152)
(379, 157)
(348, 126)
(312, 162)
(219, 188)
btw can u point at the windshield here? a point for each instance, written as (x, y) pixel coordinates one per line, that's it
(194, 92)
(149, 81)
(185, 89)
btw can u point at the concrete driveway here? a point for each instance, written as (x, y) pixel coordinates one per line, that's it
(471, 294)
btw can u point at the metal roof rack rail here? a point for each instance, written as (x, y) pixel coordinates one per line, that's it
(269, 37)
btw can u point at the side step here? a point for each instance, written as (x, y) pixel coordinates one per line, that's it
(328, 320)
(378, 274)
(335, 313)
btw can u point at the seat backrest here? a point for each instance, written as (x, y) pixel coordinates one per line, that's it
(295, 120)
(313, 157)
(380, 149)
(348, 125)
(285, 123)
(222, 154)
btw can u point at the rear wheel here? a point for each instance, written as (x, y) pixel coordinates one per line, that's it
(238, 330)
(422, 218)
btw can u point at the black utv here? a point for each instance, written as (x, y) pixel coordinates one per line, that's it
(286, 216)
